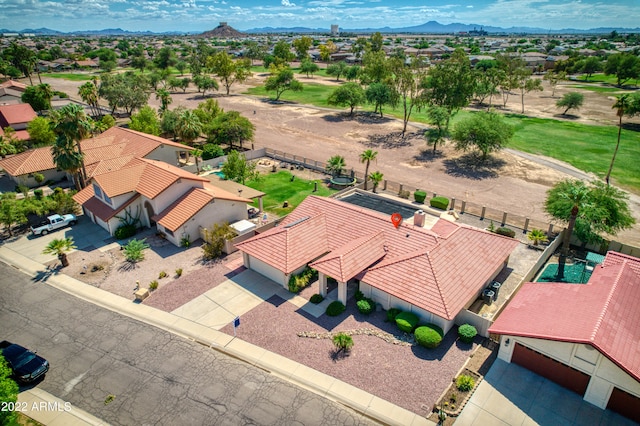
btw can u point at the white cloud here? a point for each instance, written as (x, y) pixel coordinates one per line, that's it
(287, 3)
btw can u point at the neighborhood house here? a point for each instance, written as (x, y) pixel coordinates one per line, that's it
(434, 272)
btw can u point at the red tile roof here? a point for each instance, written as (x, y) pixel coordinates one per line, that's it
(436, 273)
(14, 85)
(16, 114)
(603, 313)
(32, 161)
(352, 258)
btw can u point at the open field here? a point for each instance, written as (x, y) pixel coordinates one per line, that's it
(69, 76)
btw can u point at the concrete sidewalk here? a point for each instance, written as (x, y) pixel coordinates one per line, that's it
(45, 408)
(301, 375)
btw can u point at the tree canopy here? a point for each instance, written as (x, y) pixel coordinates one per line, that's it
(349, 94)
(281, 80)
(485, 131)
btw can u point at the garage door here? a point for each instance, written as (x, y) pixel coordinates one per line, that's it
(625, 404)
(551, 369)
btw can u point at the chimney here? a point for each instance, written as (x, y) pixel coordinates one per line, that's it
(418, 218)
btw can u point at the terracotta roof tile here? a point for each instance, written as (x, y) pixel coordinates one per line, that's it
(352, 258)
(16, 114)
(437, 273)
(103, 211)
(184, 208)
(31, 161)
(603, 313)
(84, 195)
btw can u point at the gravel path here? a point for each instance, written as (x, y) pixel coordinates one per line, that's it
(409, 376)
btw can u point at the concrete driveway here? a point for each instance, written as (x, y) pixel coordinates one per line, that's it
(85, 234)
(511, 395)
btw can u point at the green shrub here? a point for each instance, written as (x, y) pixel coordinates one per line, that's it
(134, 250)
(178, 272)
(407, 321)
(302, 280)
(335, 308)
(366, 306)
(162, 275)
(404, 194)
(316, 298)
(125, 231)
(185, 241)
(211, 150)
(467, 332)
(22, 189)
(39, 177)
(392, 313)
(153, 285)
(465, 383)
(430, 336)
(358, 296)
(506, 232)
(38, 193)
(419, 195)
(343, 341)
(439, 202)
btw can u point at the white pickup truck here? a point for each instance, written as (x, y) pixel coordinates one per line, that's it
(54, 222)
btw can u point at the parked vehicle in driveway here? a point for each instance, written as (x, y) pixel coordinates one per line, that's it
(26, 365)
(54, 222)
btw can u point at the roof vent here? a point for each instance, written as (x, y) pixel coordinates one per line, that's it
(296, 222)
(418, 218)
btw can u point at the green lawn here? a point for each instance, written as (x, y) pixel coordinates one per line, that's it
(69, 76)
(279, 188)
(594, 88)
(601, 78)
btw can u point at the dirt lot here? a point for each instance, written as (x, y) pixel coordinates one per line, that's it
(511, 183)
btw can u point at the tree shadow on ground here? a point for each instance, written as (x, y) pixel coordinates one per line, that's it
(361, 117)
(393, 140)
(428, 155)
(339, 354)
(471, 166)
(42, 276)
(566, 116)
(199, 97)
(634, 127)
(127, 266)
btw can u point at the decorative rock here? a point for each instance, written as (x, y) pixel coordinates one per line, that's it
(404, 340)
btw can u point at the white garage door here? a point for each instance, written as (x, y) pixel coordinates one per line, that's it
(267, 270)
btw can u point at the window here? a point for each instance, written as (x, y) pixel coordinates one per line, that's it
(107, 199)
(97, 191)
(168, 232)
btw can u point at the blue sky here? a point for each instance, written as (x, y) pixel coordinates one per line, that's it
(202, 15)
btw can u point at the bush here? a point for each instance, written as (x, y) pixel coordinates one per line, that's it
(366, 306)
(302, 280)
(343, 341)
(465, 383)
(38, 193)
(125, 231)
(467, 332)
(153, 285)
(316, 298)
(335, 308)
(211, 150)
(215, 240)
(392, 313)
(439, 202)
(162, 274)
(358, 296)
(39, 177)
(407, 321)
(430, 336)
(178, 272)
(134, 250)
(419, 196)
(506, 232)
(185, 241)
(404, 194)
(22, 189)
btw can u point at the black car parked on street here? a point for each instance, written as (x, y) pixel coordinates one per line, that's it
(26, 365)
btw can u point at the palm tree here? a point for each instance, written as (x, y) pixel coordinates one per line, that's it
(343, 342)
(197, 153)
(537, 236)
(336, 165)
(367, 157)
(60, 247)
(188, 127)
(621, 106)
(572, 195)
(67, 158)
(72, 125)
(89, 93)
(165, 98)
(376, 178)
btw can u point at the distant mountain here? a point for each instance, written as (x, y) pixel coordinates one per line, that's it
(431, 27)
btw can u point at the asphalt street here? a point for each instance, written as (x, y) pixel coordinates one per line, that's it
(154, 377)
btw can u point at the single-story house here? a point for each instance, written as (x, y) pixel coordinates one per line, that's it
(17, 116)
(434, 272)
(585, 337)
(11, 92)
(157, 193)
(105, 152)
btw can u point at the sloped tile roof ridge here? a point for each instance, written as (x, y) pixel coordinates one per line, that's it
(428, 256)
(156, 138)
(352, 245)
(400, 258)
(173, 169)
(607, 301)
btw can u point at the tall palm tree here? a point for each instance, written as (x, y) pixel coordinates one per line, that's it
(89, 93)
(197, 153)
(60, 247)
(72, 125)
(621, 106)
(376, 177)
(571, 195)
(66, 157)
(367, 157)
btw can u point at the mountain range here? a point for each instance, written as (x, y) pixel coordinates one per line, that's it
(431, 27)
